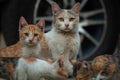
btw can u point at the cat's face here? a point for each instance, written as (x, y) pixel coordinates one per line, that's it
(66, 20)
(81, 70)
(30, 35)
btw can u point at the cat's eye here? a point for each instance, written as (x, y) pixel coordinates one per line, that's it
(35, 34)
(26, 34)
(71, 19)
(61, 19)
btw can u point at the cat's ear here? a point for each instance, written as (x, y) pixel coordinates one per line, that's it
(60, 61)
(22, 22)
(73, 61)
(76, 8)
(55, 8)
(85, 64)
(41, 24)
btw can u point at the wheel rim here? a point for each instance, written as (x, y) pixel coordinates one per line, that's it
(92, 24)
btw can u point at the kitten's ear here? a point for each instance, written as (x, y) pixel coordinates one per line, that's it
(85, 64)
(76, 8)
(73, 61)
(22, 22)
(60, 61)
(41, 24)
(55, 8)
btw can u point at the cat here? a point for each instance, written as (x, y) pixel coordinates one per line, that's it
(104, 67)
(31, 37)
(64, 38)
(82, 70)
(31, 68)
(32, 43)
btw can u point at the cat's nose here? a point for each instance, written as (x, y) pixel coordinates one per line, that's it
(66, 25)
(30, 41)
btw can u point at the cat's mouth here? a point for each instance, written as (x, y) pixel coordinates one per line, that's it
(67, 29)
(31, 44)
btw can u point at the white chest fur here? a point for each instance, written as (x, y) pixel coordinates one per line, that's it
(63, 44)
(31, 51)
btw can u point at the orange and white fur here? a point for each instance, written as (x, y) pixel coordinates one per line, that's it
(30, 44)
(64, 36)
(31, 68)
(31, 37)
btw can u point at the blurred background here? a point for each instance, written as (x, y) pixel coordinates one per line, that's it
(98, 27)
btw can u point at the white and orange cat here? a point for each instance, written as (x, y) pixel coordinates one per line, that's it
(32, 43)
(31, 68)
(31, 37)
(64, 36)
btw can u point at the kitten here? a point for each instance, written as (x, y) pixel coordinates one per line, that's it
(104, 67)
(31, 37)
(64, 36)
(82, 70)
(31, 42)
(31, 68)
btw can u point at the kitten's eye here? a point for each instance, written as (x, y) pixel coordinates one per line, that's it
(71, 19)
(61, 19)
(35, 34)
(26, 34)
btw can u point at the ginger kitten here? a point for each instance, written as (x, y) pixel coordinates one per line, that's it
(64, 36)
(32, 43)
(31, 68)
(31, 37)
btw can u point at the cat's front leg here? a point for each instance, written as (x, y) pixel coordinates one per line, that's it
(20, 71)
(20, 75)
